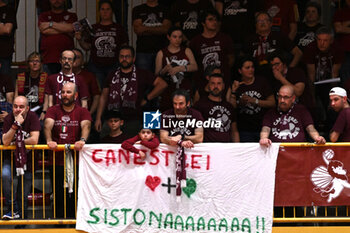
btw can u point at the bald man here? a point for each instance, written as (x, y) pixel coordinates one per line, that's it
(289, 122)
(21, 125)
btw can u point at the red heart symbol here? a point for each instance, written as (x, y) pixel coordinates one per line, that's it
(152, 182)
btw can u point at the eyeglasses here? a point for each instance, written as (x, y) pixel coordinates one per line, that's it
(34, 61)
(124, 56)
(286, 97)
(67, 58)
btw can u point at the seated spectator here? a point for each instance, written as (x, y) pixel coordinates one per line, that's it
(285, 16)
(252, 96)
(323, 59)
(185, 14)
(178, 132)
(266, 41)
(146, 138)
(294, 76)
(31, 84)
(6, 97)
(115, 121)
(289, 122)
(104, 59)
(215, 107)
(212, 47)
(8, 26)
(66, 123)
(125, 91)
(202, 92)
(339, 103)
(21, 127)
(341, 22)
(174, 64)
(56, 33)
(56, 81)
(307, 28)
(151, 23)
(89, 79)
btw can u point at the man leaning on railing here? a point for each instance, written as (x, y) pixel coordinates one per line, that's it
(21, 127)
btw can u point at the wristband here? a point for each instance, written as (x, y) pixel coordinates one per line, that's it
(50, 24)
(83, 139)
(14, 127)
(256, 101)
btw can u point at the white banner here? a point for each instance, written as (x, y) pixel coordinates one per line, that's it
(230, 188)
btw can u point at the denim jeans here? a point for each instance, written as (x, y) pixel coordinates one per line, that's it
(101, 73)
(146, 61)
(17, 191)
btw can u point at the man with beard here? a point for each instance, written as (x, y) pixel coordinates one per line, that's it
(126, 90)
(55, 82)
(21, 127)
(289, 122)
(56, 31)
(174, 126)
(67, 123)
(215, 107)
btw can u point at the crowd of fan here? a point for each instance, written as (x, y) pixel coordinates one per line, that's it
(250, 65)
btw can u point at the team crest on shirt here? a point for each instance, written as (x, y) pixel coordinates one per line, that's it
(273, 11)
(191, 21)
(249, 108)
(65, 118)
(285, 128)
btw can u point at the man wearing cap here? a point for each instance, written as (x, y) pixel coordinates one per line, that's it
(339, 103)
(289, 122)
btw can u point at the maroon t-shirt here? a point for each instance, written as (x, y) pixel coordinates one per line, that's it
(67, 129)
(176, 59)
(282, 14)
(342, 125)
(55, 83)
(150, 17)
(187, 15)
(212, 51)
(250, 116)
(144, 80)
(8, 15)
(219, 111)
(323, 60)
(180, 126)
(51, 46)
(91, 83)
(274, 41)
(343, 15)
(106, 43)
(6, 85)
(289, 126)
(31, 123)
(118, 139)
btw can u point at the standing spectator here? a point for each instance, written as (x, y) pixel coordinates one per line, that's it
(214, 106)
(252, 96)
(323, 60)
(151, 23)
(174, 64)
(125, 91)
(285, 16)
(265, 41)
(342, 28)
(289, 122)
(88, 78)
(105, 44)
(307, 28)
(56, 31)
(67, 123)
(185, 14)
(181, 113)
(56, 81)
(6, 98)
(339, 103)
(21, 127)
(212, 48)
(8, 26)
(31, 84)
(238, 19)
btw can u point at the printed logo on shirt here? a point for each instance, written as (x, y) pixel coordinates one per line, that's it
(152, 21)
(285, 128)
(151, 120)
(191, 22)
(64, 129)
(221, 114)
(235, 8)
(65, 118)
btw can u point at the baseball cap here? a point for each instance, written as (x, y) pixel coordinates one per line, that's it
(338, 91)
